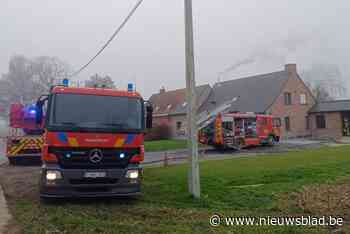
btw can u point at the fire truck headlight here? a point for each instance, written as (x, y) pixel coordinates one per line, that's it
(53, 175)
(132, 174)
(122, 155)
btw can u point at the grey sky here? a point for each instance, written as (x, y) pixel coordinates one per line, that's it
(150, 49)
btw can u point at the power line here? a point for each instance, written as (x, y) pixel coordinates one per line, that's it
(109, 40)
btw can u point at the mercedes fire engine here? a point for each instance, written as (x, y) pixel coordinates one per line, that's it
(93, 141)
(238, 130)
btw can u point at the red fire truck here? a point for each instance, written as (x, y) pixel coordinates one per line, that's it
(93, 141)
(237, 130)
(24, 140)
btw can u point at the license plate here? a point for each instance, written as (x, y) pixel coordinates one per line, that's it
(95, 174)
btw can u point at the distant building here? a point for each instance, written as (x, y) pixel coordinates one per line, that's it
(170, 107)
(330, 119)
(282, 94)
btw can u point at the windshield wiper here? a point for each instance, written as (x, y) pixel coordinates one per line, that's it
(113, 124)
(68, 123)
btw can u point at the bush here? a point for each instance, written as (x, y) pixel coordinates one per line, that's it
(159, 132)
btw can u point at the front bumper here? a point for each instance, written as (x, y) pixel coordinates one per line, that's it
(74, 184)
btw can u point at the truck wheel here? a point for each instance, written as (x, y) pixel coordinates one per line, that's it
(277, 139)
(219, 147)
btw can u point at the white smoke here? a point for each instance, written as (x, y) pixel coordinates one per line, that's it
(278, 52)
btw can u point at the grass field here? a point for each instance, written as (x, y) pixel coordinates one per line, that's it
(288, 184)
(162, 145)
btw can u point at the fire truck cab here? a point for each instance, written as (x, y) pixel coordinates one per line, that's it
(237, 130)
(93, 142)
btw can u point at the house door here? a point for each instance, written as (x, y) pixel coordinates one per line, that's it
(346, 124)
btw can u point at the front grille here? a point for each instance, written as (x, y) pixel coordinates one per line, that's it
(78, 158)
(94, 181)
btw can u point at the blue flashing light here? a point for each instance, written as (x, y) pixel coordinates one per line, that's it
(122, 155)
(65, 82)
(30, 109)
(130, 87)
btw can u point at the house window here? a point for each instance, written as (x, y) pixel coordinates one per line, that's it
(303, 100)
(287, 98)
(178, 125)
(276, 122)
(320, 121)
(287, 123)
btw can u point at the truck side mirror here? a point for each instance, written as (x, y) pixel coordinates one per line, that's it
(149, 115)
(39, 109)
(39, 113)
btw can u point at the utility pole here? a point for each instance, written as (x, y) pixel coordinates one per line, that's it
(193, 175)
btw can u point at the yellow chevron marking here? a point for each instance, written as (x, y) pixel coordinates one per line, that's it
(19, 147)
(26, 143)
(119, 142)
(73, 141)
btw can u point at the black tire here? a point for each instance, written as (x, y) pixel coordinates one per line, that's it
(277, 139)
(219, 147)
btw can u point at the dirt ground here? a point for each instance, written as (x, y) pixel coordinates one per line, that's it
(326, 199)
(18, 182)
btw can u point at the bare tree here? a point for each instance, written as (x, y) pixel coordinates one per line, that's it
(48, 71)
(27, 79)
(99, 81)
(17, 85)
(326, 80)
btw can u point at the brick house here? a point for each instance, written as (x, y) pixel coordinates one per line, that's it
(282, 94)
(170, 107)
(330, 119)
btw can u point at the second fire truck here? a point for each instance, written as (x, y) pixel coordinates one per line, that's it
(238, 130)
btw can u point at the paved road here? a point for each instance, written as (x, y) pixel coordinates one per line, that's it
(209, 153)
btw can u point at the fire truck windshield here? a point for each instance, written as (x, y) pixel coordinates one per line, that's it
(95, 113)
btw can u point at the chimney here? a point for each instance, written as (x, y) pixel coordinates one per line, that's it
(162, 90)
(291, 69)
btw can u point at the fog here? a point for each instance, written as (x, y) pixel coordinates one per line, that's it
(232, 38)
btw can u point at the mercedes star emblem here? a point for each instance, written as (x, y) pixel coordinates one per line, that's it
(95, 156)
